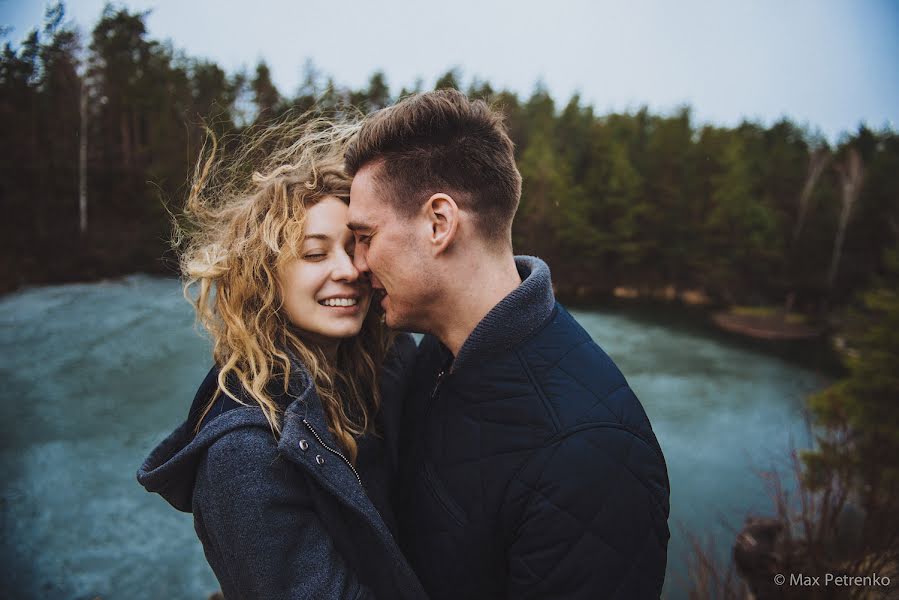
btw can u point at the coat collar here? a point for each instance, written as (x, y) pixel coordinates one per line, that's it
(515, 318)
(305, 425)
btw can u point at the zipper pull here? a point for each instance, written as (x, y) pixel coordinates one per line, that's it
(437, 383)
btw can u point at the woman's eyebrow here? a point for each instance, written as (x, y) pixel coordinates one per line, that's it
(316, 236)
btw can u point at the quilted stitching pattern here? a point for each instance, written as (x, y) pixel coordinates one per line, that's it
(572, 510)
(553, 465)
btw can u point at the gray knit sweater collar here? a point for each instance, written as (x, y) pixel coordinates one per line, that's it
(515, 318)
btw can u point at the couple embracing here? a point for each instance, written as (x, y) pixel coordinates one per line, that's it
(328, 456)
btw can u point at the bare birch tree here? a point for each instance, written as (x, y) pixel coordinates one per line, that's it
(852, 172)
(82, 160)
(817, 162)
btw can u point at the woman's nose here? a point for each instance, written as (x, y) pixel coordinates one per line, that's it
(345, 270)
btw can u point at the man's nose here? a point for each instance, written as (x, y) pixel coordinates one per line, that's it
(359, 259)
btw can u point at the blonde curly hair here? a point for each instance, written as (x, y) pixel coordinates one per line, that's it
(244, 222)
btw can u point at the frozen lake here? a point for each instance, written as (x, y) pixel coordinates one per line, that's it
(94, 375)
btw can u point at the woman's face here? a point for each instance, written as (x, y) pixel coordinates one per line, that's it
(324, 295)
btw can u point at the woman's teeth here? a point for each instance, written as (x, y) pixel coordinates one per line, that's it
(339, 302)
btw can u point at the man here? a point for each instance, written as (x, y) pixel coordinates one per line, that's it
(529, 468)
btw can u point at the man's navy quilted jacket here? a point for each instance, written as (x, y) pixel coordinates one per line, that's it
(530, 469)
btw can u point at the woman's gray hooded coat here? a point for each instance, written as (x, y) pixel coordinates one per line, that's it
(285, 518)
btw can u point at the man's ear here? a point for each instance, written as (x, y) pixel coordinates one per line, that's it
(443, 218)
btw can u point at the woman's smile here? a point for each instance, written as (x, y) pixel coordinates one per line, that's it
(340, 301)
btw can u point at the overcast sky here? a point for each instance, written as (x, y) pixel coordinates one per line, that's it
(830, 64)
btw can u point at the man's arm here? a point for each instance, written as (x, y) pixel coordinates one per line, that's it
(587, 518)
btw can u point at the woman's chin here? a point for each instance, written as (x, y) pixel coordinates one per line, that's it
(342, 331)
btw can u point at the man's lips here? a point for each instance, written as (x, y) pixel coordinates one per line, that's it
(379, 295)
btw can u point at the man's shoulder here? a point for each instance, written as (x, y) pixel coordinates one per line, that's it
(600, 421)
(579, 380)
(563, 351)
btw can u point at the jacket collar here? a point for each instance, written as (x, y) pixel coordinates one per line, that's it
(515, 318)
(170, 467)
(305, 424)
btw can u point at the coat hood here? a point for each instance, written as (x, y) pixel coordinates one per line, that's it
(170, 469)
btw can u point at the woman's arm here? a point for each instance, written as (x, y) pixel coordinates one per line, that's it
(262, 535)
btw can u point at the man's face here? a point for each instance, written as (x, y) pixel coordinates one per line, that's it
(390, 247)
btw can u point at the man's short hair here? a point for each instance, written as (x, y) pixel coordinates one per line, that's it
(443, 142)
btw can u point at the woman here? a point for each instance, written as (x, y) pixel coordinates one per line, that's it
(286, 456)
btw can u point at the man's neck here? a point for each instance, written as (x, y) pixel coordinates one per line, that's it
(481, 285)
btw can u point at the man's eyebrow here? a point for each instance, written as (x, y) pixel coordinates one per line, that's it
(354, 226)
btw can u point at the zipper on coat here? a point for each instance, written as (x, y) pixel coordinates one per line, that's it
(437, 383)
(430, 404)
(447, 367)
(333, 451)
(392, 549)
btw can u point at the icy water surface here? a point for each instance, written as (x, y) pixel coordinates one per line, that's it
(94, 375)
(722, 414)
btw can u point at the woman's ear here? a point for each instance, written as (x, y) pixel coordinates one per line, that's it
(443, 217)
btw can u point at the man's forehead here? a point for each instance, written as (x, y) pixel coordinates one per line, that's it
(366, 206)
(360, 216)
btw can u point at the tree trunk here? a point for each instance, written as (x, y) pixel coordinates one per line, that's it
(82, 164)
(126, 139)
(851, 175)
(817, 161)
